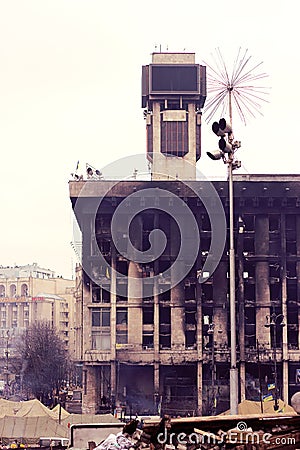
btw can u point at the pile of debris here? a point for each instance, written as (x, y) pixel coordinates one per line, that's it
(218, 433)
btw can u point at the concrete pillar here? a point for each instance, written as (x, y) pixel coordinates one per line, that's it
(220, 311)
(199, 340)
(177, 317)
(113, 380)
(199, 388)
(262, 289)
(177, 296)
(285, 356)
(113, 313)
(135, 289)
(91, 391)
(156, 300)
(20, 313)
(298, 272)
(156, 383)
(241, 311)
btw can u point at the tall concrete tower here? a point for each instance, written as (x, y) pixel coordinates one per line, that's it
(173, 94)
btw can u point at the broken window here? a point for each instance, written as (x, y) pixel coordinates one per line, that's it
(250, 326)
(165, 327)
(121, 316)
(121, 337)
(291, 235)
(148, 315)
(148, 339)
(100, 295)
(101, 317)
(190, 339)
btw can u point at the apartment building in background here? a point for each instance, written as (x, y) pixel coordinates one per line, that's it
(29, 294)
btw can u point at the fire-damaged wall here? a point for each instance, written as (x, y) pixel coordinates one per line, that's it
(154, 347)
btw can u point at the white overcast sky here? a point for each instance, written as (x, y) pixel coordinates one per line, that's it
(70, 76)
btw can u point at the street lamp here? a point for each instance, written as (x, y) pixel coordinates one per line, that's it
(6, 352)
(272, 321)
(226, 152)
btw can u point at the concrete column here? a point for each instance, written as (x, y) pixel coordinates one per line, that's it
(91, 393)
(298, 272)
(20, 317)
(285, 356)
(199, 387)
(262, 289)
(113, 285)
(113, 380)
(156, 383)
(9, 315)
(220, 311)
(135, 289)
(199, 340)
(177, 318)
(177, 297)
(156, 118)
(156, 300)
(241, 310)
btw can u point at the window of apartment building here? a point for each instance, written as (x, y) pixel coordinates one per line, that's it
(147, 291)
(190, 292)
(121, 290)
(190, 339)
(190, 315)
(148, 315)
(100, 295)
(165, 296)
(2, 290)
(100, 340)
(24, 289)
(121, 337)
(291, 235)
(13, 290)
(165, 327)
(101, 317)
(148, 339)
(250, 326)
(292, 324)
(122, 316)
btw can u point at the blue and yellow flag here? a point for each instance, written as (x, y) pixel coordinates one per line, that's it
(267, 398)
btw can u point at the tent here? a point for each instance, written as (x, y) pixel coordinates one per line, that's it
(28, 430)
(29, 420)
(29, 408)
(252, 407)
(59, 410)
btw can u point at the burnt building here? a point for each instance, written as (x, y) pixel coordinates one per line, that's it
(153, 307)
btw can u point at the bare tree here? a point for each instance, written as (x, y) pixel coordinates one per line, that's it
(44, 360)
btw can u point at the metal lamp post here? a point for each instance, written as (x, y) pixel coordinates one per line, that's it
(226, 152)
(272, 321)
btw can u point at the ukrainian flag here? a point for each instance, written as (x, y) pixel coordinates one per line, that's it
(271, 386)
(267, 398)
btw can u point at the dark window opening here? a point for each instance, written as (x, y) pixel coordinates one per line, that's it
(121, 317)
(100, 317)
(148, 339)
(148, 315)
